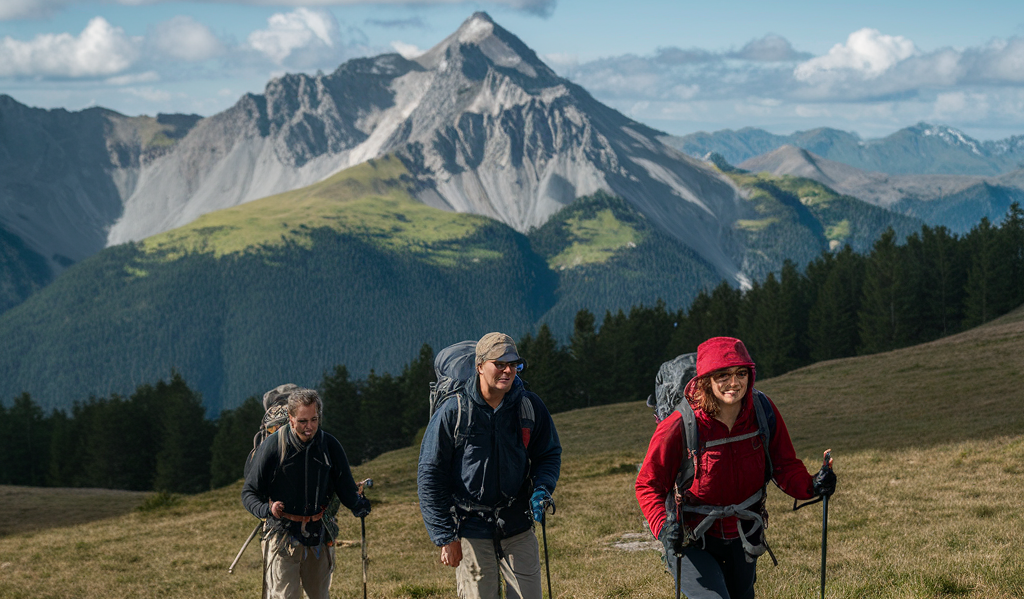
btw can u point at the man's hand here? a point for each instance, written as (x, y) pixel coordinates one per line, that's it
(362, 507)
(670, 537)
(539, 502)
(277, 509)
(451, 554)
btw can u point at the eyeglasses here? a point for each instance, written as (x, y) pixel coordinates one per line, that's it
(724, 377)
(517, 366)
(304, 422)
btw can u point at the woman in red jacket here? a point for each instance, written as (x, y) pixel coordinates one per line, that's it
(722, 512)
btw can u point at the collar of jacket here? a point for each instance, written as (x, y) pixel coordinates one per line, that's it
(510, 396)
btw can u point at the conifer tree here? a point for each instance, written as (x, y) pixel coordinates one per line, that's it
(415, 382)
(233, 440)
(884, 315)
(183, 462)
(547, 369)
(342, 412)
(832, 319)
(26, 444)
(988, 277)
(582, 353)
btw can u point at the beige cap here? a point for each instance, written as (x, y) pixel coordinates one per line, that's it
(496, 346)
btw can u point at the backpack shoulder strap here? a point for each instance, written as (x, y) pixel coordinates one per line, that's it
(766, 424)
(527, 418)
(691, 446)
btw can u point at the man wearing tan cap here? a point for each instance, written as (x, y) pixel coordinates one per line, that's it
(491, 458)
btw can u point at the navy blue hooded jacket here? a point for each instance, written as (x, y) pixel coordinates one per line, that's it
(491, 467)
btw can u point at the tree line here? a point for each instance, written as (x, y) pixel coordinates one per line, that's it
(842, 304)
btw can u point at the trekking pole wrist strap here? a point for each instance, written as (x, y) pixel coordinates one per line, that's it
(807, 503)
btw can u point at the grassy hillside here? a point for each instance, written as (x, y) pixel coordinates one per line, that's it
(799, 218)
(928, 449)
(608, 256)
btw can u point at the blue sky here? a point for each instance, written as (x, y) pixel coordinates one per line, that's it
(869, 67)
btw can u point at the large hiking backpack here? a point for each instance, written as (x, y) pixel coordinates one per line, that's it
(275, 416)
(455, 367)
(669, 386)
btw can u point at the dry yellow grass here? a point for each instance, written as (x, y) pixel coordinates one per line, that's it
(928, 445)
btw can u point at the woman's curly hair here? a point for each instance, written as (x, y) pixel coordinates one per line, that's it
(703, 397)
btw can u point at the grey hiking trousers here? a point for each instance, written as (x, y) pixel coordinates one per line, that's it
(477, 574)
(290, 568)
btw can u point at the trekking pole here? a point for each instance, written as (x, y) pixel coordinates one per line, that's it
(252, 535)
(826, 463)
(679, 573)
(366, 484)
(544, 534)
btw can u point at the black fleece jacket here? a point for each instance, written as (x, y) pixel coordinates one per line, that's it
(305, 479)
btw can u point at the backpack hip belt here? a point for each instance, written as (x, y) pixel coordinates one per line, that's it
(741, 511)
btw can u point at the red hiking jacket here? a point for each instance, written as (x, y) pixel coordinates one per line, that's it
(726, 474)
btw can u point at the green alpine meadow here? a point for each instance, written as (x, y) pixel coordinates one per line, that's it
(354, 271)
(928, 450)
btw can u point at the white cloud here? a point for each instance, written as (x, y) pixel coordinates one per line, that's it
(867, 52)
(19, 9)
(134, 78)
(184, 38)
(406, 50)
(149, 94)
(100, 50)
(296, 31)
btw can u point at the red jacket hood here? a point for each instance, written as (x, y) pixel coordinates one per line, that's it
(718, 353)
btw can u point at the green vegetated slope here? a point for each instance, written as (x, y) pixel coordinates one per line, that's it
(349, 271)
(799, 218)
(22, 271)
(354, 271)
(928, 448)
(608, 256)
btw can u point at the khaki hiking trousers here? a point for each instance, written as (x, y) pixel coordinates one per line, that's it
(290, 567)
(477, 575)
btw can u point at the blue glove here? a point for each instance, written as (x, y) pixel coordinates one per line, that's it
(362, 507)
(540, 500)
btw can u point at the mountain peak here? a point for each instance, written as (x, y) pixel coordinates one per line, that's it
(479, 37)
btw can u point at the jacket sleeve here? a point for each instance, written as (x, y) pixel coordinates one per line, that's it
(256, 488)
(341, 474)
(434, 478)
(658, 473)
(545, 448)
(788, 471)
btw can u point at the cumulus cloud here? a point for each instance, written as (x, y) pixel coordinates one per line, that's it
(866, 52)
(184, 38)
(411, 23)
(100, 50)
(406, 50)
(770, 48)
(20, 9)
(290, 33)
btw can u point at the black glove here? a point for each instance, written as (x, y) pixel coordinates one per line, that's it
(825, 482)
(362, 507)
(669, 537)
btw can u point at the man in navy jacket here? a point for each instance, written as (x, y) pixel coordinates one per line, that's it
(489, 461)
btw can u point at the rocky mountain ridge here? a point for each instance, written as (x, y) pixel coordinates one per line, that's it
(921, 149)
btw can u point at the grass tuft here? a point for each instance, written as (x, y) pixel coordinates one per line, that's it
(161, 501)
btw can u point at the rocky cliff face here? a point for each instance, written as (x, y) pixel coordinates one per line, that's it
(64, 176)
(485, 126)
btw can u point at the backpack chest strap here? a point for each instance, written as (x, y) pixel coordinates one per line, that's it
(732, 439)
